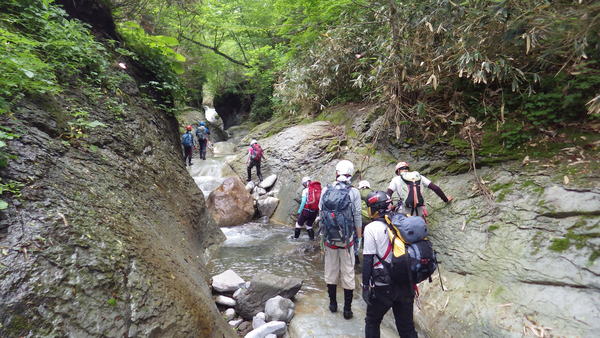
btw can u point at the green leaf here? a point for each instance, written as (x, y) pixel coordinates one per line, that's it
(3, 205)
(167, 40)
(178, 68)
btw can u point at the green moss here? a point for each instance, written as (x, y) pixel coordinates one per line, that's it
(112, 302)
(501, 186)
(498, 292)
(457, 167)
(493, 227)
(459, 143)
(559, 244)
(18, 326)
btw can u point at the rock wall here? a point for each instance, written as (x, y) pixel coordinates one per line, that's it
(107, 234)
(524, 263)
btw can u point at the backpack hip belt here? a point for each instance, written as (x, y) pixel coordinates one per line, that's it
(333, 246)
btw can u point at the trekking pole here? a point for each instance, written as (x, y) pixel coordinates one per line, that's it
(440, 275)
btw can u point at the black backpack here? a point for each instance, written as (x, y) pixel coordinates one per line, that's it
(414, 197)
(416, 261)
(337, 215)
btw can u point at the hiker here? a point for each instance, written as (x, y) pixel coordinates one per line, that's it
(202, 133)
(379, 291)
(255, 156)
(309, 207)
(187, 140)
(340, 219)
(407, 184)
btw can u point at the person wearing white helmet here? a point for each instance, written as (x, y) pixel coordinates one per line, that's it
(408, 185)
(255, 156)
(309, 207)
(340, 214)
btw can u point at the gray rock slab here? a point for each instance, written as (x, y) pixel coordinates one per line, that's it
(279, 309)
(263, 287)
(266, 206)
(570, 201)
(227, 281)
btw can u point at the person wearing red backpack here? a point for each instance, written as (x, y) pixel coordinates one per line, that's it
(309, 207)
(255, 156)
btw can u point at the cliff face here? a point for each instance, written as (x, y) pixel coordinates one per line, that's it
(108, 234)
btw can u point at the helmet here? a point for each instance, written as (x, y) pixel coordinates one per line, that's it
(188, 128)
(364, 184)
(401, 165)
(253, 142)
(202, 123)
(305, 180)
(344, 167)
(378, 200)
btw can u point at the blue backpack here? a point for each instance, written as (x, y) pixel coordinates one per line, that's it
(187, 139)
(337, 215)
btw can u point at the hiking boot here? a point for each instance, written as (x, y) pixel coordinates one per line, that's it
(347, 304)
(297, 233)
(331, 290)
(311, 234)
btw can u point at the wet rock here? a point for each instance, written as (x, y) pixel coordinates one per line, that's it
(268, 181)
(263, 287)
(276, 328)
(227, 281)
(230, 204)
(237, 292)
(250, 186)
(223, 300)
(259, 320)
(279, 308)
(235, 323)
(272, 193)
(229, 314)
(244, 328)
(260, 191)
(266, 206)
(308, 248)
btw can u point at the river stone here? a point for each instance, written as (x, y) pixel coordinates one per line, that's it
(268, 181)
(230, 204)
(235, 323)
(279, 308)
(229, 313)
(260, 191)
(245, 327)
(277, 328)
(225, 301)
(238, 291)
(308, 248)
(258, 320)
(270, 335)
(250, 186)
(263, 287)
(267, 205)
(227, 281)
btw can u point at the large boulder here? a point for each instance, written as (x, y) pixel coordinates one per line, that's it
(279, 308)
(228, 281)
(266, 206)
(263, 287)
(230, 204)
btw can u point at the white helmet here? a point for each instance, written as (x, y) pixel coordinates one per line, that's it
(344, 167)
(253, 142)
(401, 165)
(305, 180)
(364, 184)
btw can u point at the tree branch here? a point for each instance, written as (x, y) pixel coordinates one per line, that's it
(216, 50)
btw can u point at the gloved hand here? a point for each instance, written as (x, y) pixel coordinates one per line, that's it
(366, 294)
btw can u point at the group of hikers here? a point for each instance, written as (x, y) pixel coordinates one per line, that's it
(189, 142)
(396, 252)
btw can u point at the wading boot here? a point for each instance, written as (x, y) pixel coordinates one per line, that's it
(311, 234)
(347, 304)
(297, 232)
(331, 289)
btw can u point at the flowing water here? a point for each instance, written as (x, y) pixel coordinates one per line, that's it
(263, 247)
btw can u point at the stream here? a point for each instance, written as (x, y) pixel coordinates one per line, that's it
(256, 247)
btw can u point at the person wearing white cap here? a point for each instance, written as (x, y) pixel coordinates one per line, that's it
(255, 156)
(340, 218)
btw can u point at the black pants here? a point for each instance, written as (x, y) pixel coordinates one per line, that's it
(187, 154)
(254, 163)
(401, 302)
(202, 148)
